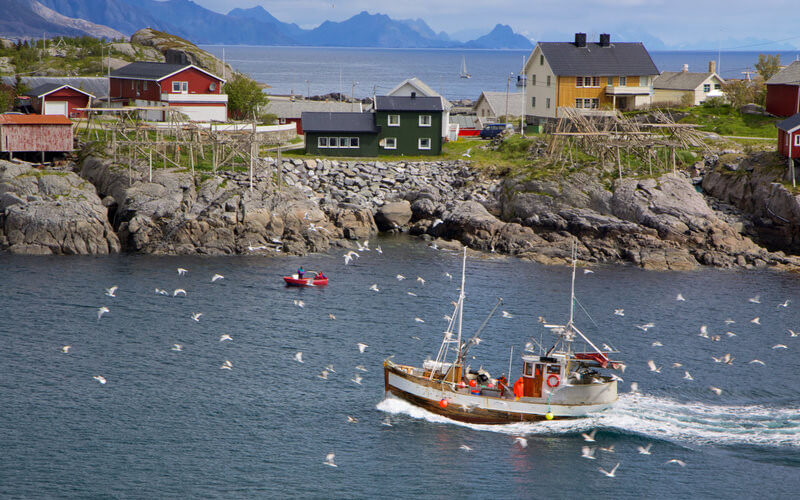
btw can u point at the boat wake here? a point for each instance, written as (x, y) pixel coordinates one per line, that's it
(656, 418)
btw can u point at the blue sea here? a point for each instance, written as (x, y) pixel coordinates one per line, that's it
(173, 424)
(363, 71)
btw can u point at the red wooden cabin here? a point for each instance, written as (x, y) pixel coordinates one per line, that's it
(783, 91)
(789, 137)
(55, 99)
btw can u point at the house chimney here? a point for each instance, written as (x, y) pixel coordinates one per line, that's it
(580, 39)
(605, 40)
(712, 66)
(685, 68)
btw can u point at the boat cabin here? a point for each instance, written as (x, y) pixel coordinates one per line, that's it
(538, 369)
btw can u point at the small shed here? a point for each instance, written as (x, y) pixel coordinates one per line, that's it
(340, 134)
(55, 99)
(789, 137)
(30, 133)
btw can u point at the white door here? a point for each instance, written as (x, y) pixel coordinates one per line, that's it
(55, 108)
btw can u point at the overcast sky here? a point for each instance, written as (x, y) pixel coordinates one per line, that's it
(734, 24)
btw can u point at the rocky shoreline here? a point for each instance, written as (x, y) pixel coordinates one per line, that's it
(659, 223)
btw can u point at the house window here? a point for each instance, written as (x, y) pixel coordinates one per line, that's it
(533, 79)
(547, 103)
(424, 120)
(354, 142)
(579, 81)
(424, 143)
(533, 102)
(182, 87)
(595, 81)
(322, 142)
(132, 85)
(610, 80)
(390, 143)
(706, 87)
(644, 81)
(579, 103)
(797, 140)
(541, 60)
(595, 103)
(623, 81)
(344, 142)
(717, 86)
(144, 85)
(394, 120)
(548, 80)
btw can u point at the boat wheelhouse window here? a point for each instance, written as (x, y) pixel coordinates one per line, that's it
(554, 369)
(528, 370)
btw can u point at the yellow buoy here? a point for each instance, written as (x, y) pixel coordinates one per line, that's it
(548, 416)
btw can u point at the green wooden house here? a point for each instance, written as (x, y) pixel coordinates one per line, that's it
(399, 126)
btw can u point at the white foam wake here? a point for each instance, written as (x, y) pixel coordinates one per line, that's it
(655, 417)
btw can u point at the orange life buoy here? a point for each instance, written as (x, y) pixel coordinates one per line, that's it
(550, 382)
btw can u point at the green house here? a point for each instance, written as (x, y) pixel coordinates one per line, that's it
(399, 126)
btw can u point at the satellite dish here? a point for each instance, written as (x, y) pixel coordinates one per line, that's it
(212, 87)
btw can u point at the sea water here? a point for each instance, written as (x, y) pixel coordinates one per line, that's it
(173, 424)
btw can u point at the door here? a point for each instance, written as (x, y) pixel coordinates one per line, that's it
(55, 108)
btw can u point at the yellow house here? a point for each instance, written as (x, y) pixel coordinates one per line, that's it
(591, 77)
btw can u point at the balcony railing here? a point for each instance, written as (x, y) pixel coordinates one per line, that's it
(624, 90)
(190, 98)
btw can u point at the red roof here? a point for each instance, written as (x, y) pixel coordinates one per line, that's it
(35, 120)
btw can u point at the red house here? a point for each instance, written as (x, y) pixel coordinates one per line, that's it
(54, 99)
(28, 133)
(783, 91)
(194, 91)
(789, 137)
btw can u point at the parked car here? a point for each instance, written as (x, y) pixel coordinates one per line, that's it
(491, 130)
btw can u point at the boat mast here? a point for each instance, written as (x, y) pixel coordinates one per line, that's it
(461, 305)
(572, 290)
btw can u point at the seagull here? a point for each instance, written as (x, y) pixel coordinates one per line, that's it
(111, 291)
(100, 379)
(364, 248)
(607, 347)
(182, 271)
(634, 387)
(299, 303)
(196, 316)
(645, 327)
(387, 421)
(437, 222)
(610, 449)
(348, 257)
(161, 291)
(331, 316)
(657, 344)
(680, 298)
(756, 362)
(412, 294)
(299, 356)
(756, 320)
(587, 452)
(419, 320)
(676, 461)
(785, 304)
(415, 337)
(653, 368)
(217, 277)
(329, 460)
(467, 153)
(619, 312)
(101, 311)
(176, 347)
(351, 420)
(361, 368)
(400, 277)
(225, 337)
(588, 271)
(792, 333)
(420, 280)
(330, 368)
(179, 291)
(464, 447)
(779, 346)
(227, 365)
(507, 314)
(687, 375)
(677, 365)
(323, 375)
(447, 317)
(716, 390)
(730, 334)
(616, 377)
(755, 300)
(521, 441)
(611, 472)
(374, 287)
(703, 331)
(448, 276)
(379, 249)
(729, 321)
(589, 438)
(645, 450)
(357, 379)
(65, 349)
(362, 347)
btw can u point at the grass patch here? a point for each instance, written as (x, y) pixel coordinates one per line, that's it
(725, 120)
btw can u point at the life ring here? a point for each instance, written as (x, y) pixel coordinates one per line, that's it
(550, 381)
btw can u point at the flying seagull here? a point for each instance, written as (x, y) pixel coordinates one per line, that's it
(182, 271)
(111, 291)
(329, 460)
(611, 472)
(217, 277)
(101, 311)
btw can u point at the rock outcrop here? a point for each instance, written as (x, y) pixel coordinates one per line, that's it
(177, 50)
(47, 212)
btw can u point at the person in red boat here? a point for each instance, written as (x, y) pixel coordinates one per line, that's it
(300, 272)
(321, 276)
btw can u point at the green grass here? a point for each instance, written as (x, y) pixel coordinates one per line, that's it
(724, 120)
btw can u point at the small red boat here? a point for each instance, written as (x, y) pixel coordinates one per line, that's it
(310, 279)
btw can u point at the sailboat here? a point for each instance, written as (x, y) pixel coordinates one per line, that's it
(555, 383)
(463, 73)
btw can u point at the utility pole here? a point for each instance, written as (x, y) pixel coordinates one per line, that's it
(508, 84)
(353, 95)
(308, 89)
(524, 94)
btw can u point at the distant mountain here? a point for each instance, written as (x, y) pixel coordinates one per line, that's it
(28, 18)
(258, 13)
(501, 37)
(118, 14)
(372, 30)
(421, 27)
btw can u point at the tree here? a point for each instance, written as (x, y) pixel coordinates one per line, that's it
(6, 98)
(244, 96)
(741, 92)
(768, 65)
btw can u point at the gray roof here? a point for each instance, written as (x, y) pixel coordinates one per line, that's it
(97, 86)
(497, 101)
(680, 80)
(284, 108)
(147, 70)
(790, 75)
(49, 87)
(400, 103)
(623, 59)
(465, 121)
(789, 123)
(339, 122)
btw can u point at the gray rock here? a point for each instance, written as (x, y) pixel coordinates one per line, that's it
(393, 214)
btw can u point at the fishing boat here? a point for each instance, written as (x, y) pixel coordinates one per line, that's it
(313, 280)
(463, 72)
(555, 383)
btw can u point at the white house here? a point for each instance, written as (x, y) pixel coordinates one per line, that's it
(672, 86)
(419, 88)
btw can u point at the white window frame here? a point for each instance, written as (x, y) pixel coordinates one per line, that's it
(320, 145)
(578, 102)
(389, 121)
(797, 140)
(579, 81)
(706, 87)
(386, 143)
(623, 81)
(357, 142)
(419, 143)
(344, 142)
(425, 123)
(183, 87)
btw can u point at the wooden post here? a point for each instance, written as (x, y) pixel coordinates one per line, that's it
(279, 166)
(191, 159)
(252, 162)
(672, 150)
(619, 164)
(650, 160)
(151, 165)
(791, 168)
(130, 166)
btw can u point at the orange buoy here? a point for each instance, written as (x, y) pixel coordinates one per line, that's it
(443, 403)
(472, 383)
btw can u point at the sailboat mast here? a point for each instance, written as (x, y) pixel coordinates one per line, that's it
(461, 304)
(572, 291)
